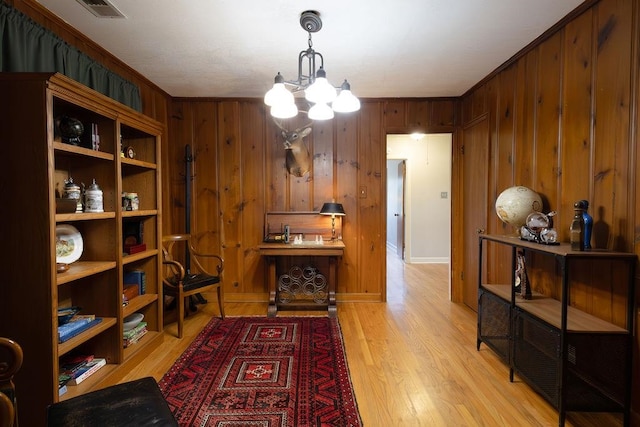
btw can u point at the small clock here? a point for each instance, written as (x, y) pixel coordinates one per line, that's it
(130, 152)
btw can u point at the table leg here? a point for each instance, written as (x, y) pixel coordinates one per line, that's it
(333, 278)
(271, 280)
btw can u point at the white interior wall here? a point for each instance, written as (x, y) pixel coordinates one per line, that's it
(427, 209)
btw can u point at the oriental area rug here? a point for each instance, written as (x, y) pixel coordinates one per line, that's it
(263, 372)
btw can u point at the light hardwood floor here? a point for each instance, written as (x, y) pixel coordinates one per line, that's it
(413, 360)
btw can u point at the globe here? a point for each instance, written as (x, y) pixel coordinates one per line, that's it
(514, 204)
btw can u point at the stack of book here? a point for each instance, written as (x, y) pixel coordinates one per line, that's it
(76, 325)
(132, 336)
(74, 369)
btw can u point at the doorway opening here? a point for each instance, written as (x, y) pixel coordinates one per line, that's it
(418, 208)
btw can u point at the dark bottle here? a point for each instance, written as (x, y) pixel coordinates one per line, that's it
(576, 235)
(588, 224)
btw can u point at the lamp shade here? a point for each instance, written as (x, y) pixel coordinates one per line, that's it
(320, 112)
(346, 102)
(284, 111)
(334, 209)
(321, 90)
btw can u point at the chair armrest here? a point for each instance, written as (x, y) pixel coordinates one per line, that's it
(218, 258)
(178, 270)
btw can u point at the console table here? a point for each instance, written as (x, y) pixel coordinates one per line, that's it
(312, 291)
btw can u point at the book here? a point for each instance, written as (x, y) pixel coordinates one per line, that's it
(70, 365)
(62, 390)
(136, 277)
(63, 379)
(132, 331)
(70, 326)
(77, 317)
(68, 333)
(134, 339)
(87, 370)
(133, 336)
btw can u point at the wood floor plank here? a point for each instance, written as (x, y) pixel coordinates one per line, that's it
(413, 360)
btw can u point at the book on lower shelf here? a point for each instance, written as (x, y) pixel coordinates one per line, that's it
(132, 336)
(72, 329)
(87, 370)
(72, 363)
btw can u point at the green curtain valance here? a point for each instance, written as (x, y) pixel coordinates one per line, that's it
(25, 46)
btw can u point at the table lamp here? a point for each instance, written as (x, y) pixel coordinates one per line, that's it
(333, 209)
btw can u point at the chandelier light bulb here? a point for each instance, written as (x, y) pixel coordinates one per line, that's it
(321, 90)
(346, 102)
(320, 111)
(278, 94)
(284, 111)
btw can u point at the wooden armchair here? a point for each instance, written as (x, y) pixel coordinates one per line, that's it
(10, 363)
(183, 281)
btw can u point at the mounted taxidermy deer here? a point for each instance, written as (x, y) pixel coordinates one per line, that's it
(298, 159)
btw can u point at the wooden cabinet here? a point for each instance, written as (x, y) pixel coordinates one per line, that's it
(36, 164)
(576, 354)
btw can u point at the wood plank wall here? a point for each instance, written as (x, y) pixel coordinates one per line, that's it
(239, 175)
(563, 120)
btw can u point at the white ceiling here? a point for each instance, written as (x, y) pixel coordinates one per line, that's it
(234, 48)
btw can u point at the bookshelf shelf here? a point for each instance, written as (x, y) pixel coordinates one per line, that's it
(67, 346)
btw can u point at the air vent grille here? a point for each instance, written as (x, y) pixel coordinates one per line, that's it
(101, 8)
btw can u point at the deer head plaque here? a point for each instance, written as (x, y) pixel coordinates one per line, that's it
(298, 159)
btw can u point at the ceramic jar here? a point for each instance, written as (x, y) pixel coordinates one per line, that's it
(93, 199)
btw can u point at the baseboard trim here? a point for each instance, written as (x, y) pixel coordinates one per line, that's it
(264, 297)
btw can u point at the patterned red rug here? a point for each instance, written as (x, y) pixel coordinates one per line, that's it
(264, 372)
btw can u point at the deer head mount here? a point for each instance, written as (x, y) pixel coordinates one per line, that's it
(298, 159)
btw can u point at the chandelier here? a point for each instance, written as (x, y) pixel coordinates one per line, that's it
(312, 79)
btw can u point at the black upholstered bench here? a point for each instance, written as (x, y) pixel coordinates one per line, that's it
(135, 403)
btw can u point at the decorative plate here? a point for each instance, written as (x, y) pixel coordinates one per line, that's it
(132, 321)
(68, 244)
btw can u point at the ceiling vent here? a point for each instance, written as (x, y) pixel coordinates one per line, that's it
(101, 8)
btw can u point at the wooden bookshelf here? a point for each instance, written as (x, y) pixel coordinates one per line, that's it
(32, 103)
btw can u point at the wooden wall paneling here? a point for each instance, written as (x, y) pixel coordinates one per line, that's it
(474, 104)
(634, 203)
(547, 125)
(474, 204)
(394, 113)
(524, 116)
(504, 148)
(205, 206)
(493, 223)
(230, 187)
(181, 125)
(548, 107)
(443, 114)
(457, 254)
(276, 172)
(323, 185)
(253, 149)
(418, 117)
(371, 224)
(346, 178)
(612, 145)
(611, 110)
(577, 124)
